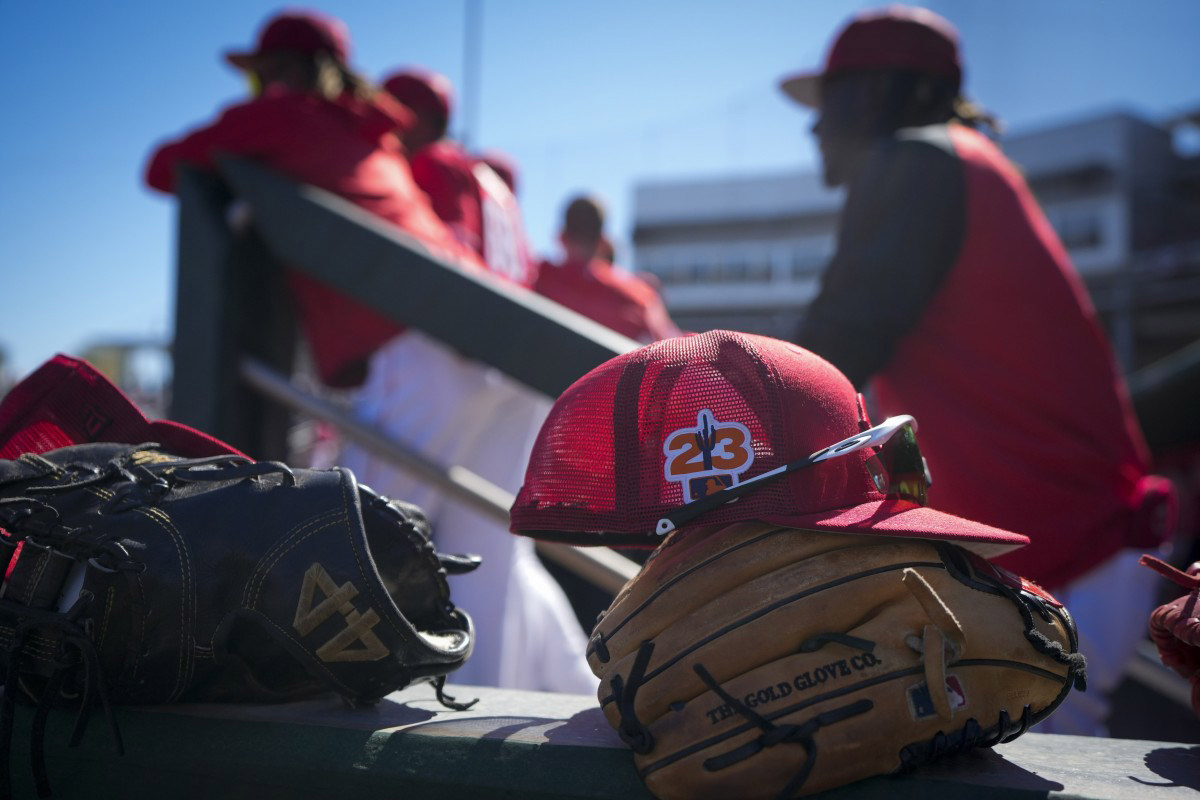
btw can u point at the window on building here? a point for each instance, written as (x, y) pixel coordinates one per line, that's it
(806, 263)
(1078, 229)
(759, 271)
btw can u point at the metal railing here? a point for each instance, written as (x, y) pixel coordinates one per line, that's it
(235, 337)
(599, 566)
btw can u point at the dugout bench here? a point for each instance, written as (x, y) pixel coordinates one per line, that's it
(511, 744)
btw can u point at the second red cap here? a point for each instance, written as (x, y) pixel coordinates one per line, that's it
(896, 37)
(305, 32)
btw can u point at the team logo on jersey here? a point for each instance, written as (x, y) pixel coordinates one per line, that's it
(920, 703)
(708, 457)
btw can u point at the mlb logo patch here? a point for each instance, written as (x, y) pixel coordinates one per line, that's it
(920, 703)
(703, 487)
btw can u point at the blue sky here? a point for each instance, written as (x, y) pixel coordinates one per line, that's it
(584, 95)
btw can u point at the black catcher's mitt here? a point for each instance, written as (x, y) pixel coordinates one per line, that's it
(143, 577)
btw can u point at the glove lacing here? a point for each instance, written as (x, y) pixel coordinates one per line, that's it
(25, 518)
(777, 734)
(439, 686)
(940, 644)
(72, 638)
(632, 730)
(145, 482)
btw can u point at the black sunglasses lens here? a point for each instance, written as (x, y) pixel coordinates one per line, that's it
(900, 460)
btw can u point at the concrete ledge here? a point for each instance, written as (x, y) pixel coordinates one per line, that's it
(512, 744)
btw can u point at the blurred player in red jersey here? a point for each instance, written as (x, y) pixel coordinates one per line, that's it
(466, 193)
(311, 116)
(461, 412)
(584, 282)
(952, 299)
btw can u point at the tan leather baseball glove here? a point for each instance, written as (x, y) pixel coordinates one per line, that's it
(757, 661)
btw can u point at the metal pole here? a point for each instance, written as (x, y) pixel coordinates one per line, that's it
(598, 565)
(472, 51)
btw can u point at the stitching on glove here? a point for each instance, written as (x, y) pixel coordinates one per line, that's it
(267, 562)
(108, 604)
(186, 595)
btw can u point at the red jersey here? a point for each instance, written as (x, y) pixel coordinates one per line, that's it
(346, 146)
(477, 206)
(613, 297)
(1024, 417)
(443, 171)
(505, 248)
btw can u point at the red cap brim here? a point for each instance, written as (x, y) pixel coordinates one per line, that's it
(804, 88)
(244, 61)
(892, 517)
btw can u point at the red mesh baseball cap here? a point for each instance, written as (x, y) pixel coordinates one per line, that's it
(298, 31)
(896, 37)
(67, 401)
(422, 90)
(651, 431)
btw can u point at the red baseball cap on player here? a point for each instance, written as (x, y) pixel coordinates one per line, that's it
(422, 90)
(896, 37)
(298, 31)
(668, 435)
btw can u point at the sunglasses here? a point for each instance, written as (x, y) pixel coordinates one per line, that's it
(897, 469)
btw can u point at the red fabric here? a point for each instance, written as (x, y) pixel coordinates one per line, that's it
(613, 297)
(1024, 418)
(67, 401)
(505, 248)
(619, 449)
(896, 37)
(443, 170)
(305, 32)
(345, 146)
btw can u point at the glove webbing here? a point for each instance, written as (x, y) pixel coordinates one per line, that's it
(1075, 662)
(775, 734)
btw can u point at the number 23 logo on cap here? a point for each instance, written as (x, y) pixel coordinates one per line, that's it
(708, 457)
